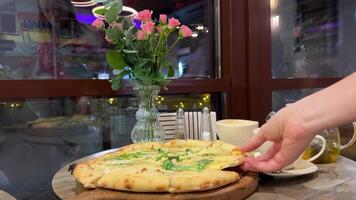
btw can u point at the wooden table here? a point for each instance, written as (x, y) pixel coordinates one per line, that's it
(332, 181)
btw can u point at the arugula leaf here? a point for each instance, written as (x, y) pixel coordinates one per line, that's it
(188, 151)
(167, 164)
(174, 158)
(208, 154)
(201, 164)
(129, 156)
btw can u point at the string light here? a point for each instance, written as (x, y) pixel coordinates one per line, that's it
(113, 101)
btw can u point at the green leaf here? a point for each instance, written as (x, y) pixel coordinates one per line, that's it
(129, 51)
(167, 64)
(124, 73)
(113, 34)
(113, 12)
(116, 83)
(142, 62)
(102, 11)
(159, 78)
(171, 71)
(140, 73)
(115, 59)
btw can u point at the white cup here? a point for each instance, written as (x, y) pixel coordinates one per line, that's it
(236, 131)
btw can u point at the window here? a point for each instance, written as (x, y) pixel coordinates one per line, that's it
(313, 38)
(54, 107)
(56, 40)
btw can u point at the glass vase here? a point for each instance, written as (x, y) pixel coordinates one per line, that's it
(147, 127)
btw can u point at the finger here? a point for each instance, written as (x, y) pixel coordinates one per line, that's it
(270, 152)
(277, 162)
(263, 166)
(254, 143)
(268, 155)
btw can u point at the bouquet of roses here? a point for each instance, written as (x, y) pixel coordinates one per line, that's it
(140, 44)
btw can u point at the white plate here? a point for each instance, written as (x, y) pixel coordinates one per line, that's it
(301, 167)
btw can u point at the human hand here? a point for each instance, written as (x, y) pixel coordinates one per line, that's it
(289, 138)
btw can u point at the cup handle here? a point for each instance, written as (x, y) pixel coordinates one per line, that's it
(217, 134)
(353, 139)
(322, 139)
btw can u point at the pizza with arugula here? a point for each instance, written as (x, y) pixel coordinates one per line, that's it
(176, 166)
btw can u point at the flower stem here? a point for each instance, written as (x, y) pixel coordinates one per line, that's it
(174, 44)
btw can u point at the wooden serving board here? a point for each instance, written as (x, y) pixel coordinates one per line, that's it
(65, 187)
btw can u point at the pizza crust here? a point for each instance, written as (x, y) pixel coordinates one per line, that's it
(201, 181)
(141, 180)
(87, 176)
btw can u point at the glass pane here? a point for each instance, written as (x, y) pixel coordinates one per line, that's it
(283, 97)
(40, 136)
(53, 39)
(313, 38)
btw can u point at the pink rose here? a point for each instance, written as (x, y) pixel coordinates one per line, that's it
(98, 24)
(159, 29)
(173, 23)
(144, 16)
(163, 19)
(140, 35)
(185, 31)
(116, 25)
(148, 27)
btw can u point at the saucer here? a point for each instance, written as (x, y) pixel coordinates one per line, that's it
(299, 168)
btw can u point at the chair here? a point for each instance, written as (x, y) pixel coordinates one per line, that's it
(191, 121)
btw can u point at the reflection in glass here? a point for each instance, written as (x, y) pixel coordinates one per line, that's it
(281, 98)
(54, 39)
(40, 136)
(313, 38)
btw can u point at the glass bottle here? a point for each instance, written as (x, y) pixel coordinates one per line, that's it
(179, 125)
(206, 132)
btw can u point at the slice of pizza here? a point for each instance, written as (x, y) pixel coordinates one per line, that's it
(176, 166)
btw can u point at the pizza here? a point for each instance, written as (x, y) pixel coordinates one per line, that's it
(176, 166)
(60, 122)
